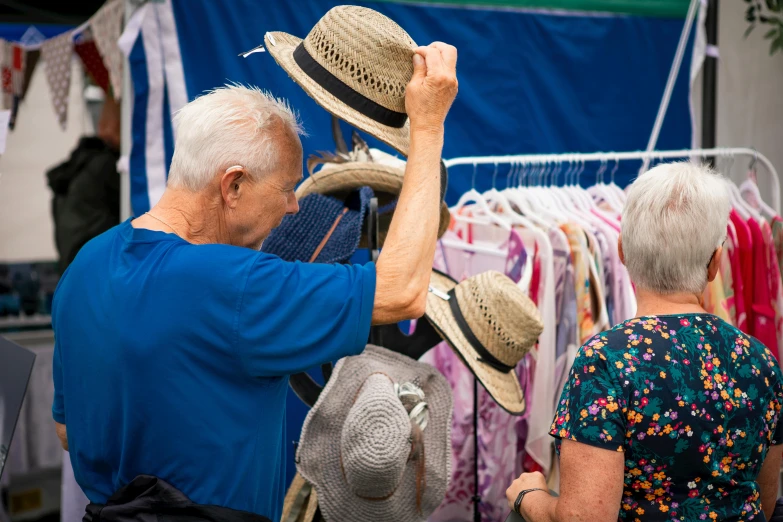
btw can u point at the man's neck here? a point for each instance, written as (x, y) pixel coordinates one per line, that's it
(651, 303)
(186, 214)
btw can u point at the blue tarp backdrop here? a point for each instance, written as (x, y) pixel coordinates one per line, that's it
(530, 82)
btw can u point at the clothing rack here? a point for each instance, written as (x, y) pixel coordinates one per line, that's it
(543, 159)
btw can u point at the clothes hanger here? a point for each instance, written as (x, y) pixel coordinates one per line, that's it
(601, 190)
(540, 201)
(619, 192)
(531, 205)
(740, 205)
(749, 191)
(503, 203)
(482, 205)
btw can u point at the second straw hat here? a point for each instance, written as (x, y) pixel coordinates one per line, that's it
(386, 182)
(356, 64)
(491, 324)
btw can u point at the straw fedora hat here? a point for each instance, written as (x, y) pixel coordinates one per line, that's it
(301, 501)
(356, 64)
(376, 446)
(338, 179)
(491, 324)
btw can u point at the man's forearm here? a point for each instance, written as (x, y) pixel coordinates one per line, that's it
(405, 264)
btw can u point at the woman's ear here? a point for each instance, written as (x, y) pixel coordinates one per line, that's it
(620, 249)
(714, 266)
(231, 185)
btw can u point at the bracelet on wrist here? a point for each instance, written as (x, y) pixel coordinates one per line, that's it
(521, 497)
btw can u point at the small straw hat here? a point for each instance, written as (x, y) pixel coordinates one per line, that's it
(376, 446)
(491, 324)
(356, 64)
(337, 179)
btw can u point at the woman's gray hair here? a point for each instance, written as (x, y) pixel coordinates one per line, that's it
(231, 125)
(674, 219)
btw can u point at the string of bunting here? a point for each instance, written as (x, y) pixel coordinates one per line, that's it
(94, 42)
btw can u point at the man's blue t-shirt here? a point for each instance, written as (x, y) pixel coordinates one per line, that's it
(171, 359)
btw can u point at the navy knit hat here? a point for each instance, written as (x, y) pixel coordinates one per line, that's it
(325, 230)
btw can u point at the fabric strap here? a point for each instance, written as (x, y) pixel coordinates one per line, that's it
(484, 355)
(323, 242)
(355, 100)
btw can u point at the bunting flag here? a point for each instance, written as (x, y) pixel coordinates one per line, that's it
(106, 27)
(57, 53)
(6, 78)
(17, 65)
(31, 60)
(93, 63)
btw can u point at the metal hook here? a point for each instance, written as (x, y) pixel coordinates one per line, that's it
(579, 172)
(473, 181)
(494, 176)
(547, 173)
(752, 166)
(508, 176)
(616, 166)
(599, 175)
(539, 174)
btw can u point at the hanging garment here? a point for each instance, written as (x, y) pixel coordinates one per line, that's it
(745, 247)
(496, 435)
(591, 310)
(777, 239)
(763, 325)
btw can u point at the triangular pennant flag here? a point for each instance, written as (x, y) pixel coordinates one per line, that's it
(93, 63)
(29, 68)
(6, 82)
(57, 53)
(106, 27)
(18, 59)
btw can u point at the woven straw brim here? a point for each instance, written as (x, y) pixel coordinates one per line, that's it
(344, 178)
(283, 53)
(318, 455)
(300, 504)
(503, 387)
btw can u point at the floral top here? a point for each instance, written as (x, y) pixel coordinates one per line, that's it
(694, 404)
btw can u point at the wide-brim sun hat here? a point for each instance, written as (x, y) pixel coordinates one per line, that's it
(356, 64)
(339, 179)
(491, 325)
(376, 446)
(325, 230)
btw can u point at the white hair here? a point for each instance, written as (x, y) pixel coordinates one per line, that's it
(231, 125)
(674, 219)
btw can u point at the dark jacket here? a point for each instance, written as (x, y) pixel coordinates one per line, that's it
(150, 499)
(86, 199)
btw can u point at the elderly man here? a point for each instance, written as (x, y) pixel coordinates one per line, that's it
(175, 335)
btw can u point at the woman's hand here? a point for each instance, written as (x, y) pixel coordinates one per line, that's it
(526, 481)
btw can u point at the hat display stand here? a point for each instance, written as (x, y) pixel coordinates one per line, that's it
(387, 336)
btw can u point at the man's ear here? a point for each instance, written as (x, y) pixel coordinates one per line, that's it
(231, 184)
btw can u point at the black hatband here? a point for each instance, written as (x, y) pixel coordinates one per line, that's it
(336, 87)
(484, 355)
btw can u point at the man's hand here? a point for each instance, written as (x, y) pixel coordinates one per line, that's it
(404, 267)
(432, 89)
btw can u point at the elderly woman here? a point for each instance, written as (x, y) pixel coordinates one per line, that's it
(673, 415)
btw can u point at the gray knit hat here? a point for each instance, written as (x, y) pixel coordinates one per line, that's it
(377, 444)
